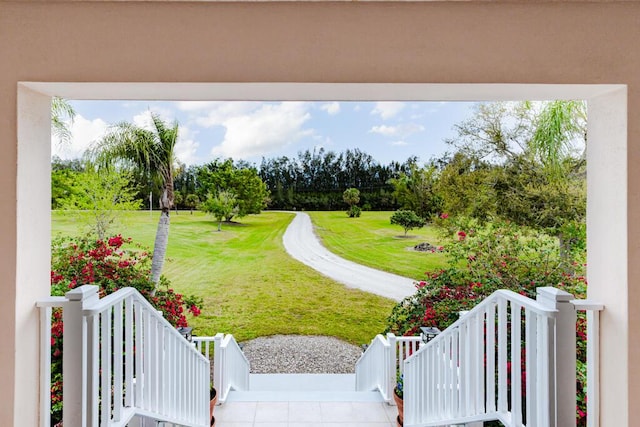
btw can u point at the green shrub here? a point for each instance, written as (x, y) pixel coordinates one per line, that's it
(354, 212)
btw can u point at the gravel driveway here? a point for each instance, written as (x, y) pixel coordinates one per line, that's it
(301, 243)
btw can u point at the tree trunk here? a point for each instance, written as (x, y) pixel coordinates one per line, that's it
(160, 247)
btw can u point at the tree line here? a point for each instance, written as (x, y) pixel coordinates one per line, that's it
(522, 162)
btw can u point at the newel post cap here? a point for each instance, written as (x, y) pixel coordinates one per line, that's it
(81, 293)
(550, 296)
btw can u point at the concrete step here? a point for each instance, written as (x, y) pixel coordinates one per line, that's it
(303, 388)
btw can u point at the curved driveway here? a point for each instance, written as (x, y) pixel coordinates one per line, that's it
(302, 244)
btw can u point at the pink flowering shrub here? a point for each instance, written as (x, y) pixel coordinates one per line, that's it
(111, 264)
(483, 259)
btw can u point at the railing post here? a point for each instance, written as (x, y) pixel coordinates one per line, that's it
(393, 367)
(217, 365)
(562, 357)
(74, 356)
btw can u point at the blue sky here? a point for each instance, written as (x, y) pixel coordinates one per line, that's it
(250, 130)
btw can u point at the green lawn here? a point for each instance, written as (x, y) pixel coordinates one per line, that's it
(250, 286)
(372, 240)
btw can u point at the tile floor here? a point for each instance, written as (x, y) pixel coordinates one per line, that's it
(305, 414)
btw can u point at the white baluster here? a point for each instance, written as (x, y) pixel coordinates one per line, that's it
(531, 364)
(516, 365)
(502, 356)
(45, 366)
(105, 366)
(117, 362)
(491, 358)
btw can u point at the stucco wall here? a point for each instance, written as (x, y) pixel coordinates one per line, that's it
(439, 42)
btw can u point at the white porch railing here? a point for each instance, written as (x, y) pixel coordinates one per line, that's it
(484, 368)
(122, 360)
(373, 368)
(230, 366)
(378, 366)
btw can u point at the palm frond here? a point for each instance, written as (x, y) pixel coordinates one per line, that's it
(61, 110)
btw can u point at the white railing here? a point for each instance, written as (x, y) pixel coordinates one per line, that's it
(592, 310)
(122, 360)
(379, 365)
(403, 348)
(483, 368)
(230, 369)
(373, 368)
(205, 345)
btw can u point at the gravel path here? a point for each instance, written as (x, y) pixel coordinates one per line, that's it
(302, 244)
(296, 354)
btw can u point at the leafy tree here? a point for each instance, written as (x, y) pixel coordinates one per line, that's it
(98, 196)
(408, 220)
(466, 186)
(223, 205)
(191, 201)
(560, 131)
(537, 152)
(351, 196)
(63, 177)
(415, 190)
(497, 131)
(250, 191)
(546, 133)
(147, 153)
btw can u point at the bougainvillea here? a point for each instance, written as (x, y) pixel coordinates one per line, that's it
(483, 259)
(110, 264)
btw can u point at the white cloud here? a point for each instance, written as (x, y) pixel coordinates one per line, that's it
(186, 146)
(402, 130)
(387, 109)
(217, 113)
(84, 132)
(399, 143)
(263, 130)
(332, 108)
(143, 119)
(384, 130)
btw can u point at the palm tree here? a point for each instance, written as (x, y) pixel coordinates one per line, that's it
(149, 153)
(61, 109)
(556, 130)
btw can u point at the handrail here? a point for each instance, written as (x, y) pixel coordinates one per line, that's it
(466, 372)
(231, 367)
(121, 360)
(484, 367)
(373, 368)
(112, 299)
(379, 371)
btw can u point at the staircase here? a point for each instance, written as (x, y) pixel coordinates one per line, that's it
(479, 369)
(303, 388)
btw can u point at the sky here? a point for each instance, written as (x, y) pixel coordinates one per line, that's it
(389, 131)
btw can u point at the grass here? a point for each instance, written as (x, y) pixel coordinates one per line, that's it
(372, 240)
(250, 286)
